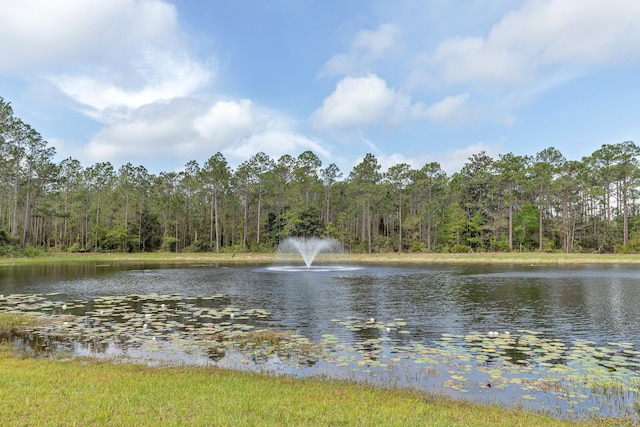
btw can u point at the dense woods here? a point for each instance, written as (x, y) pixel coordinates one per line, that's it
(540, 202)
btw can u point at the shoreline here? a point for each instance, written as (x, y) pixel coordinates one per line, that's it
(517, 258)
(108, 392)
(474, 413)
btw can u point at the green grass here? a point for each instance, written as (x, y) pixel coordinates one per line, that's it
(86, 392)
(36, 392)
(13, 324)
(433, 258)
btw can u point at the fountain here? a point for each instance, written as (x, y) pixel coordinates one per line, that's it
(308, 248)
(292, 248)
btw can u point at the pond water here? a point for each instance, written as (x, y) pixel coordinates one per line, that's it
(559, 339)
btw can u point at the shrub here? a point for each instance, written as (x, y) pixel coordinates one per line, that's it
(460, 249)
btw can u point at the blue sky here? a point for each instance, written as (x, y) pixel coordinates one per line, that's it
(159, 83)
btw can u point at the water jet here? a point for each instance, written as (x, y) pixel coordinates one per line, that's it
(308, 248)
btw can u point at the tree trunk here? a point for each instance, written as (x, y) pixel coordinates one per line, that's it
(16, 194)
(369, 224)
(217, 222)
(510, 225)
(400, 224)
(27, 208)
(258, 217)
(540, 230)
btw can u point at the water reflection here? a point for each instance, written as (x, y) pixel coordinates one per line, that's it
(369, 317)
(590, 302)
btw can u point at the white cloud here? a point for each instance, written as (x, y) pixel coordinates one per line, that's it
(240, 129)
(183, 129)
(110, 57)
(373, 45)
(447, 109)
(367, 47)
(155, 131)
(133, 74)
(163, 76)
(227, 121)
(359, 101)
(275, 143)
(450, 161)
(453, 161)
(541, 37)
(339, 64)
(47, 34)
(387, 161)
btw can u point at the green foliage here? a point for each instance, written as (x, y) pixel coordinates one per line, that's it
(10, 247)
(330, 230)
(416, 247)
(491, 204)
(526, 227)
(117, 239)
(198, 245)
(74, 248)
(302, 222)
(169, 243)
(501, 243)
(633, 247)
(5, 238)
(460, 249)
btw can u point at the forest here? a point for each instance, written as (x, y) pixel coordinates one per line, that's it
(523, 203)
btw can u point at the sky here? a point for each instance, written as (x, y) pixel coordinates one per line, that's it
(159, 83)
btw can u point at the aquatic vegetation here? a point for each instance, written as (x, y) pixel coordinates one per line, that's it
(12, 324)
(522, 367)
(92, 393)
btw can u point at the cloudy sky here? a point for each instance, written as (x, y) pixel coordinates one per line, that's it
(159, 83)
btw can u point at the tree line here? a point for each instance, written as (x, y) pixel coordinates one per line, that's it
(540, 202)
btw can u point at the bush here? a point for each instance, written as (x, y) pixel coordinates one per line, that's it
(9, 246)
(460, 249)
(198, 246)
(169, 243)
(633, 247)
(5, 238)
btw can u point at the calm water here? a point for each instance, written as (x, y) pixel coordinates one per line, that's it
(598, 303)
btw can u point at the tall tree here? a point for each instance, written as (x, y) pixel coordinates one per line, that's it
(260, 164)
(545, 170)
(476, 188)
(512, 172)
(15, 141)
(627, 173)
(190, 188)
(165, 192)
(568, 188)
(99, 178)
(216, 175)
(364, 178)
(243, 178)
(329, 176)
(38, 168)
(70, 183)
(398, 177)
(431, 184)
(305, 173)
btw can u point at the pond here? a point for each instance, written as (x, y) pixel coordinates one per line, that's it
(563, 340)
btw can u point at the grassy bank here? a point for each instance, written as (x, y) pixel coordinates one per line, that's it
(76, 392)
(426, 258)
(90, 392)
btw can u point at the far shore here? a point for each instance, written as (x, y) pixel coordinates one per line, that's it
(531, 258)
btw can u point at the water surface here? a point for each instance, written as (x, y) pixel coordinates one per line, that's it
(377, 315)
